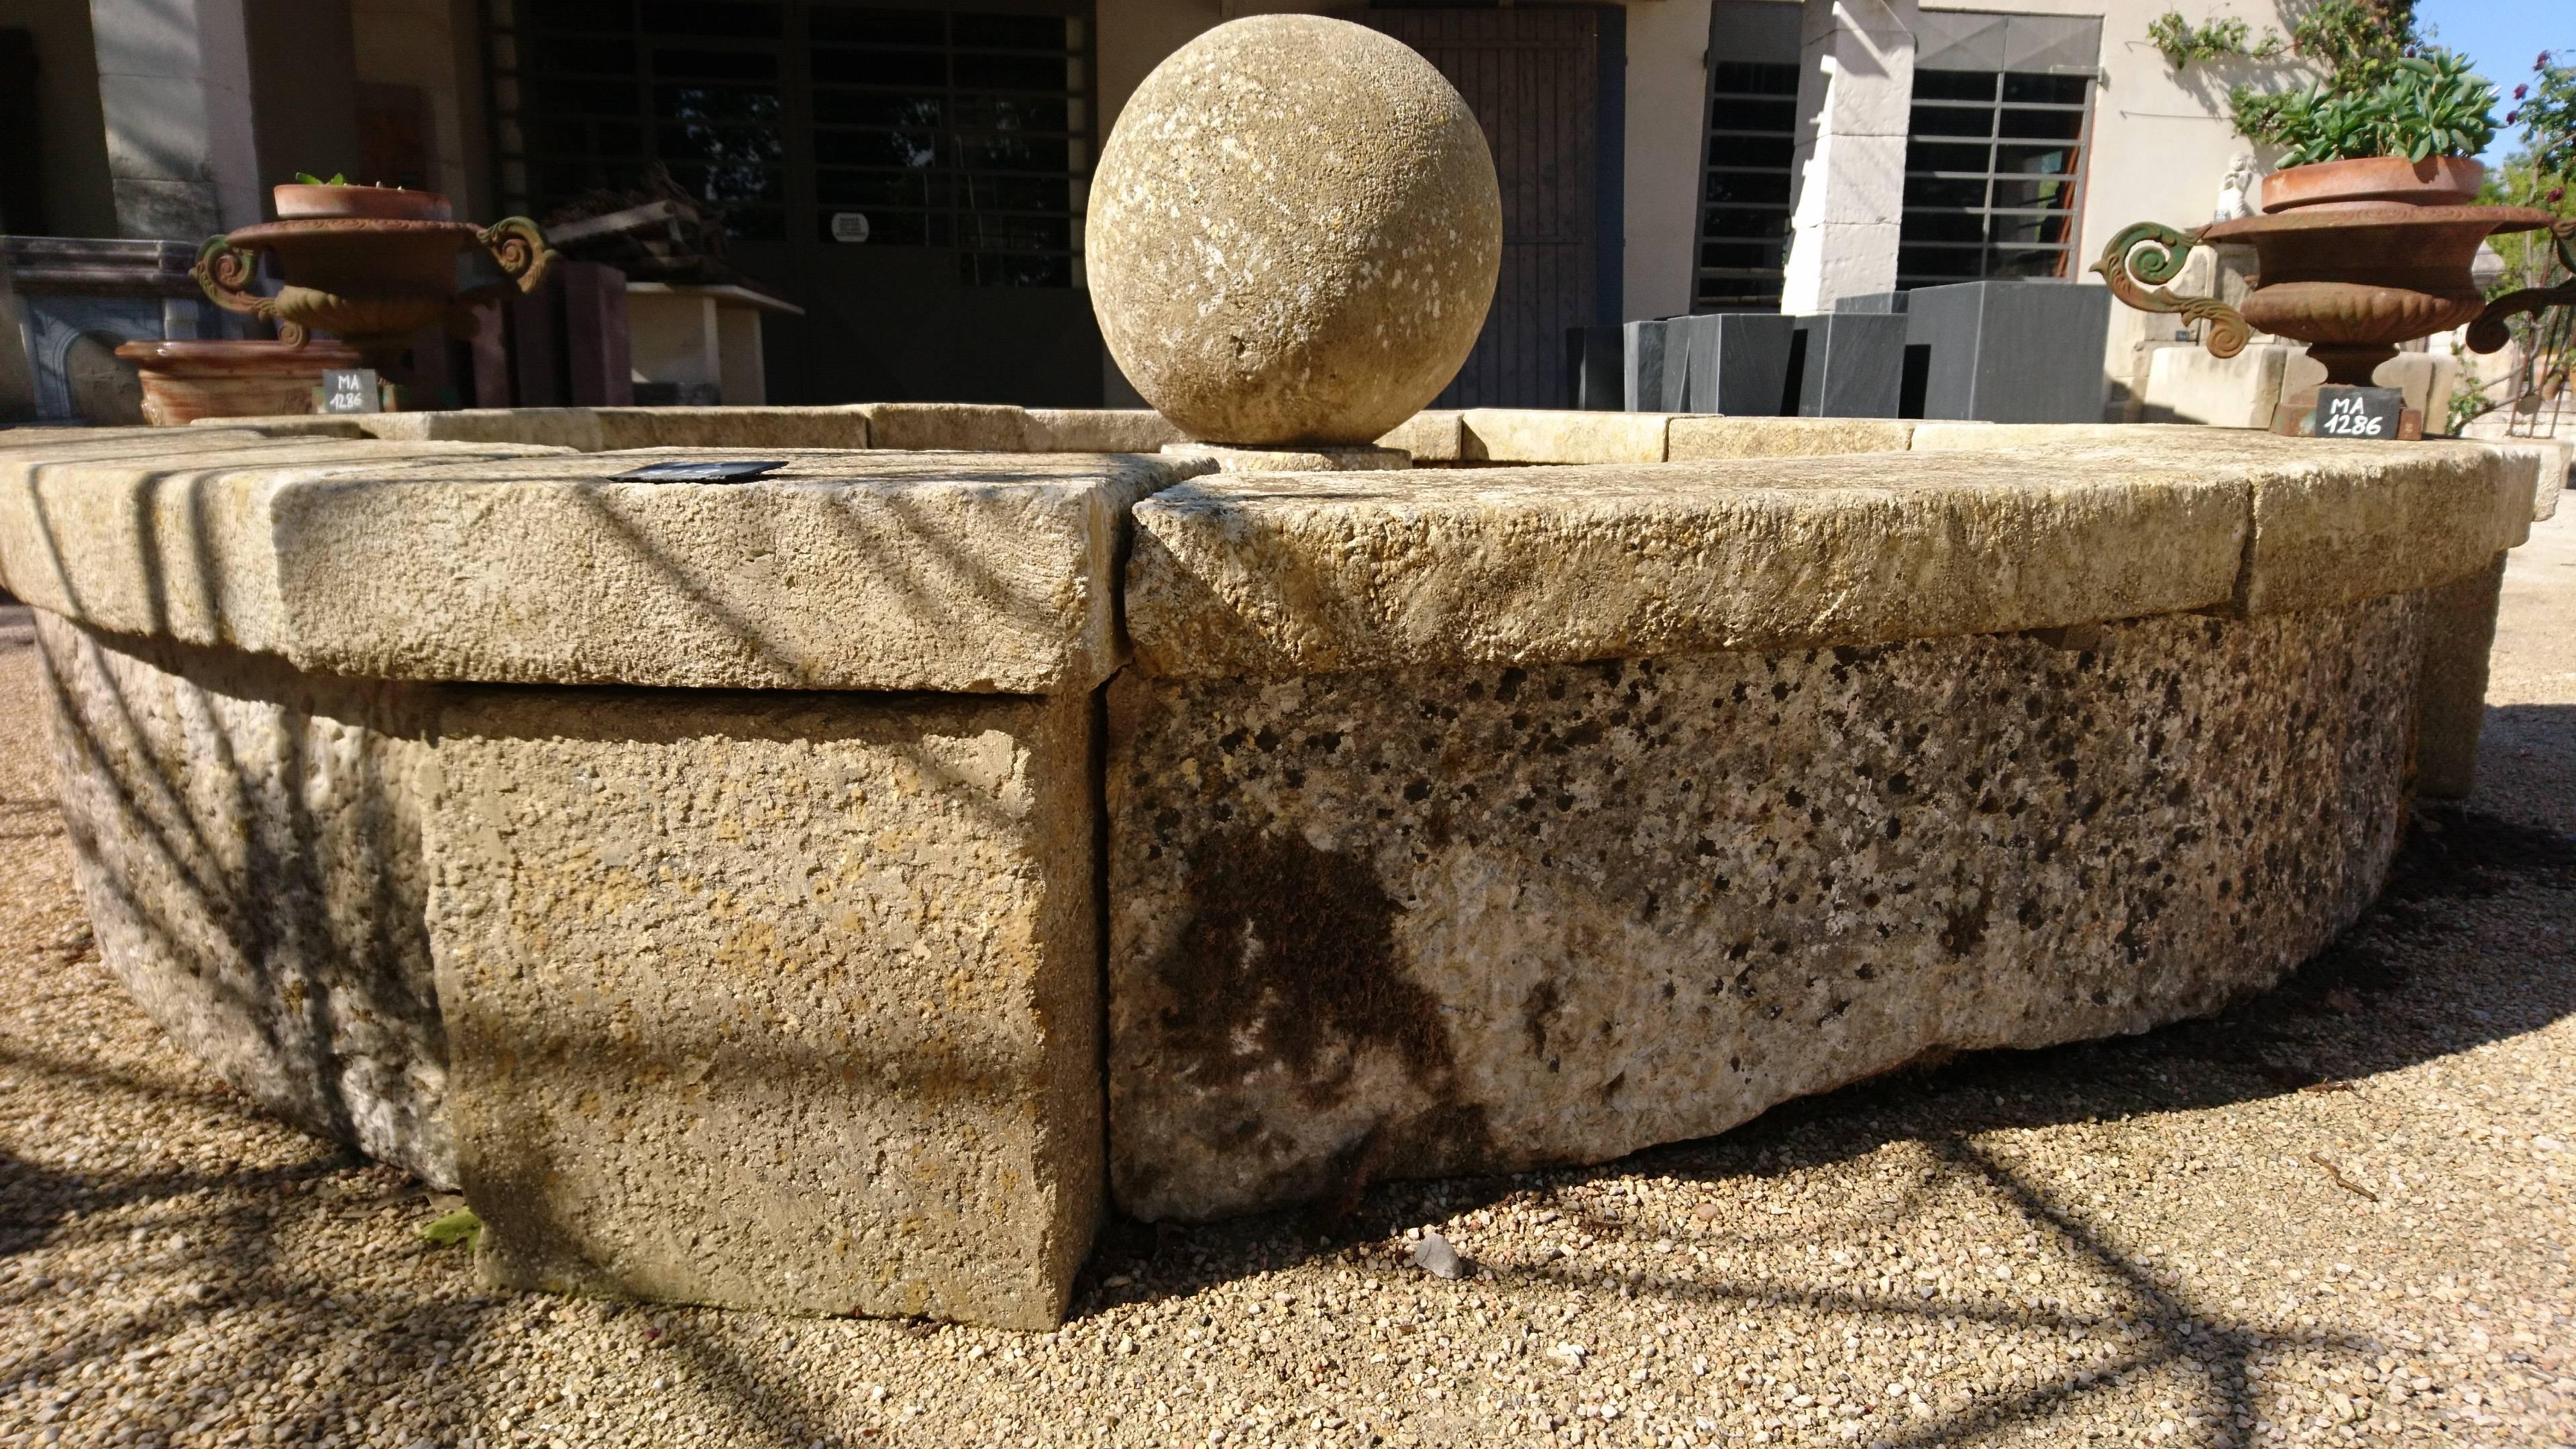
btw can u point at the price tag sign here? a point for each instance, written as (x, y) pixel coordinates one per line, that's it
(2359, 412)
(849, 226)
(351, 390)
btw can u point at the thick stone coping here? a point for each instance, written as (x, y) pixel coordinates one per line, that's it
(962, 572)
(1312, 573)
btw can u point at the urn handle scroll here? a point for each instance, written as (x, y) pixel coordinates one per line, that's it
(225, 271)
(2150, 254)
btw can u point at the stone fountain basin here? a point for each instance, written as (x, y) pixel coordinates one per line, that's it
(739, 889)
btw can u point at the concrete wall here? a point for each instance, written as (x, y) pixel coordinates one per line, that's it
(77, 198)
(1667, 114)
(174, 86)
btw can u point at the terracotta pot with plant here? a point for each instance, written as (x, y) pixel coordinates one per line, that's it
(2366, 241)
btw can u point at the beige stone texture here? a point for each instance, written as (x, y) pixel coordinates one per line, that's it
(1430, 436)
(170, 533)
(433, 561)
(2451, 703)
(952, 427)
(2332, 521)
(1432, 921)
(1291, 574)
(249, 846)
(1713, 437)
(734, 427)
(1294, 233)
(1099, 430)
(778, 1001)
(1533, 435)
(1225, 459)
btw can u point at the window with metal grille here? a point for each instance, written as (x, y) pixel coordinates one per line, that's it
(959, 130)
(1744, 203)
(1993, 168)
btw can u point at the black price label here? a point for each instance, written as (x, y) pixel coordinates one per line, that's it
(2359, 412)
(351, 390)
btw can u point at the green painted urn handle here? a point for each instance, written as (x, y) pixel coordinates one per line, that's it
(225, 272)
(2159, 264)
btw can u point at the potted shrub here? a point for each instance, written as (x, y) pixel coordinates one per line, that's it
(2413, 138)
(310, 198)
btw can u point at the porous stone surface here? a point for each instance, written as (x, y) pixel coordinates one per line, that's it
(1294, 233)
(1712, 437)
(778, 1001)
(2332, 523)
(1535, 435)
(1099, 430)
(2451, 708)
(1291, 460)
(1419, 922)
(1433, 435)
(966, 427)
(442, 561)
(1288, 574)
(248, 843)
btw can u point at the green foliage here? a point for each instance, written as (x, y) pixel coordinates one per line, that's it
(2545, 108)
(460, 1226)
(338, 178)
(2386, 91)
(2185, 44)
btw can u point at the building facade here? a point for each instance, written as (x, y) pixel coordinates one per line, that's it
(912, 171)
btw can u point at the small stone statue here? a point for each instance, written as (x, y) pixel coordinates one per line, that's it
(2236, 189)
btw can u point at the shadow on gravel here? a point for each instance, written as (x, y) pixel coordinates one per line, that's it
(2354, 1010)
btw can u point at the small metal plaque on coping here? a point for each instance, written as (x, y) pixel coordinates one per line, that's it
(2358, 412)
(697, 472)
(351, 390)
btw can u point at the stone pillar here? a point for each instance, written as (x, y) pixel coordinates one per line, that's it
(174, 89)
(1855, 86)
(2451, 700)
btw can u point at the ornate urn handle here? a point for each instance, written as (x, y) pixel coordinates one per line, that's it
(2227, 330)
(2488, 334)
(225, 272)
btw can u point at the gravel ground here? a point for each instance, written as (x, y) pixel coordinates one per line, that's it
(2339, 1215)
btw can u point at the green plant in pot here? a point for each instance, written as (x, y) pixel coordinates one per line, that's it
(2412, 138)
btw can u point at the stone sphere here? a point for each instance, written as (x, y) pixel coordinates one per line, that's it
(1294, 233)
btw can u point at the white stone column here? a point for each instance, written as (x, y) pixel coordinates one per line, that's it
(174, 88)
(1855, 86)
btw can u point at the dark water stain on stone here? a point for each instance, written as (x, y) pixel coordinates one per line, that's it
(1290, 957)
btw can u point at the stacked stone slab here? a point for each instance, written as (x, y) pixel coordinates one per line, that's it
(705, 877)
(762, 970)
(1470, 822)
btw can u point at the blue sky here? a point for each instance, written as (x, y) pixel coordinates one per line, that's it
(2502, 36)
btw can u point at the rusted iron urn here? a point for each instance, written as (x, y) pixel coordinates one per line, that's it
(2353, 282)
(375, 282)
(2354, 258)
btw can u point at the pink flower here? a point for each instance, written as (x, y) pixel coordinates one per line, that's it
(2520, 92)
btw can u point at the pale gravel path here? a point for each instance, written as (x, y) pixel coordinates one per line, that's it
(2126, 1243)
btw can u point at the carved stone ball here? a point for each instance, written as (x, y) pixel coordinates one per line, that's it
(1294, 233)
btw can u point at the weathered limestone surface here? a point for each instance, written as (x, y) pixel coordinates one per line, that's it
(1317, 572)
(1294, 233)
(2330, 524)
(170, 533)
(248, 842)
(1099, 430)
(1430, 436)
(973, 572)
(2451, 712)
(779, 1001)
(1225, 459)
(1532, 435)
(1441, 920)
(1691, 437)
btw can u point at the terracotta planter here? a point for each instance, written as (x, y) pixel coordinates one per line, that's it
(2373, 181)
(185, 381)
(378, 203)
(372, 283)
